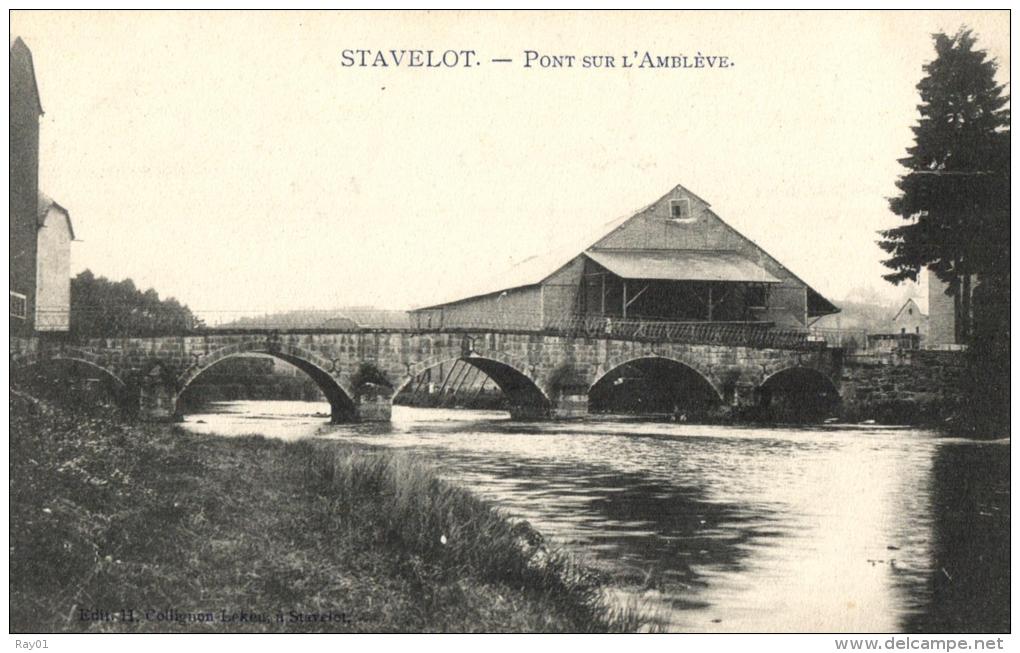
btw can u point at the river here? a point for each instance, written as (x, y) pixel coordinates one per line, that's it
(727, 529)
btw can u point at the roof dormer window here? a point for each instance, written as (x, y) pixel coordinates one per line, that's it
(680, 209)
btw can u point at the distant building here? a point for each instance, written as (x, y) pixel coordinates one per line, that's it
(675, 260)
(910, 319)
(40, 229)
(908, 329)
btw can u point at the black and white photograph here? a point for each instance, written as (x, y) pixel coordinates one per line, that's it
(687, 322)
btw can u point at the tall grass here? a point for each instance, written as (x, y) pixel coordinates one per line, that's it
(452, 534)
(108, 515)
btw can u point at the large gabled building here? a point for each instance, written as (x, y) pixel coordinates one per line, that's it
(675, 260)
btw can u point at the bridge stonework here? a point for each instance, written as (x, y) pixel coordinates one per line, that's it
(543, 376)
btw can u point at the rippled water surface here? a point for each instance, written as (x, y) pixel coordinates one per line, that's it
(719, 528)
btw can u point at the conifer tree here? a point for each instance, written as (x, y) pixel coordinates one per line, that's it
(955, 199)
(955, 194)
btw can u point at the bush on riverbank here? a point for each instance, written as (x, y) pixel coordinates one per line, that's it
(108, 516)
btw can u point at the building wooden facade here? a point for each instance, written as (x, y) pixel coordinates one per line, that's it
(675, 260)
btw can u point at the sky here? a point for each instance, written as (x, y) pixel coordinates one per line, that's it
(232, 161)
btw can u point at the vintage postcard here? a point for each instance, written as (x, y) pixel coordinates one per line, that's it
(511, 322)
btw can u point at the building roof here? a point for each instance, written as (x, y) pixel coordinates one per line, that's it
(22, 71)
(45, 203)
(817, 304)
(906, 304)
(681, 265)
(536, 269)
(533, 269)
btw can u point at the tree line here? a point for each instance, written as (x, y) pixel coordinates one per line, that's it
(104, 308)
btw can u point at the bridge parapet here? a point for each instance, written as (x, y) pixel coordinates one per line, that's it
(322, 322)
(734, 334)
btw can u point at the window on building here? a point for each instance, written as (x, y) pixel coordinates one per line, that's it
(903, 330)
(910, 311)
(19, 305)
(917, 330)
(680, 209)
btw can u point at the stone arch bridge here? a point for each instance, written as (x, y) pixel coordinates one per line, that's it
(541, 375)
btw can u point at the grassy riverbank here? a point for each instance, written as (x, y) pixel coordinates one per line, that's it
(198, 533)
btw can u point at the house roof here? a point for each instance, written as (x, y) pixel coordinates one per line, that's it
(906, 304)
(45, 203)
(681, 265)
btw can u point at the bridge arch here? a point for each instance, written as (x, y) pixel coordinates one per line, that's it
(526, 398)
(797, 392)
(650, 382)
(26, 363)
(614, 363)
(339, 395)
(802, 370)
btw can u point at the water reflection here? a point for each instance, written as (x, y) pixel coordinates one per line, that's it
(966, 586)
(848, 529)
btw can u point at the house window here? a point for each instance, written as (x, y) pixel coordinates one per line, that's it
(917, 330)
(910, 311)
(903, 330)
(680, 209)
(19, 305)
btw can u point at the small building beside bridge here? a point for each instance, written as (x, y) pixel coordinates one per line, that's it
(673, 261)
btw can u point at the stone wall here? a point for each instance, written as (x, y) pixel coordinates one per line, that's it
(902, 387)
